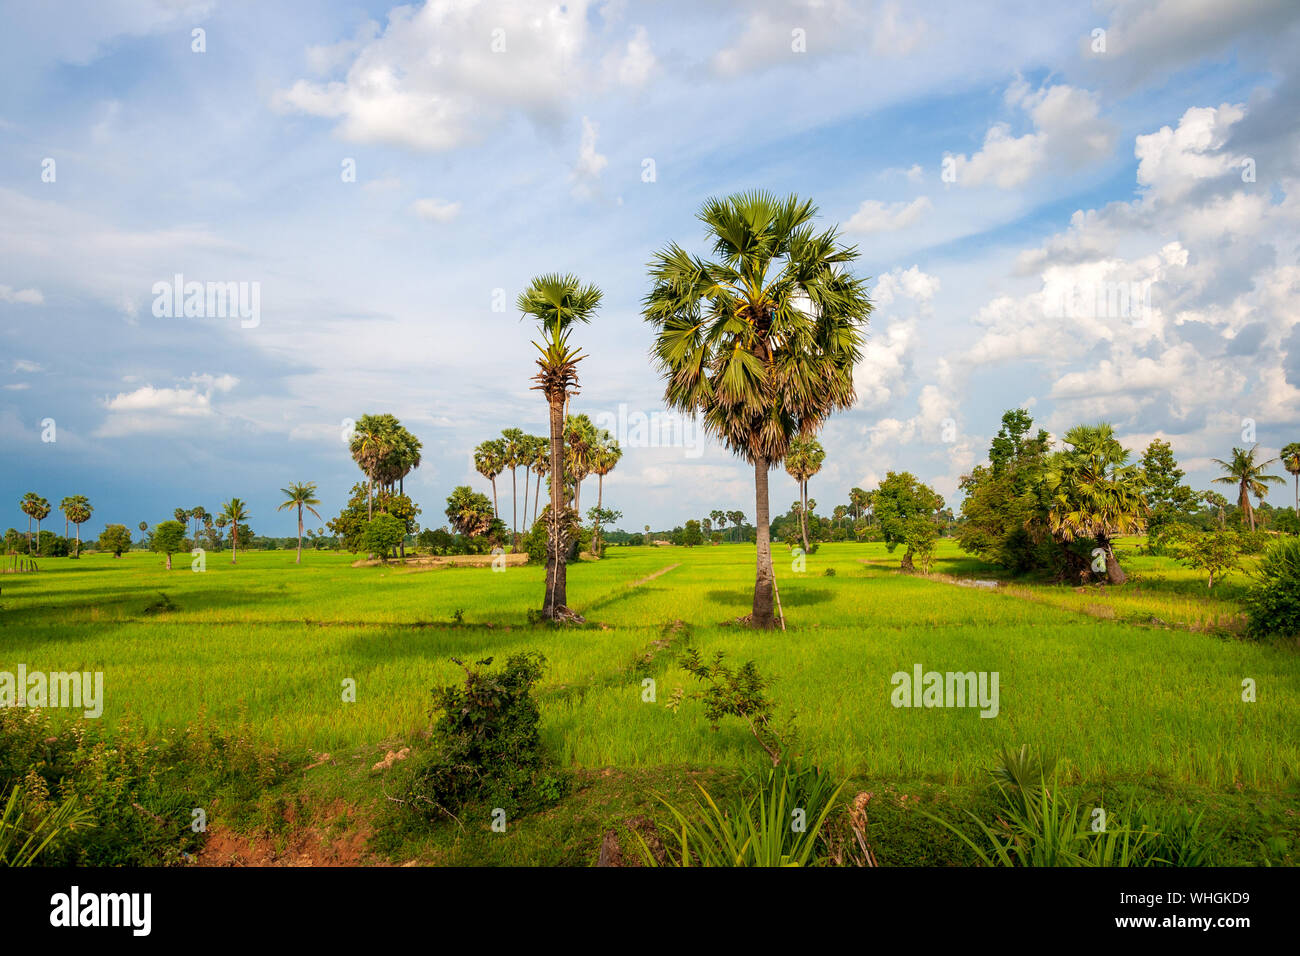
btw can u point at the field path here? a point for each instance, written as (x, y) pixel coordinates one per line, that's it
(651, 577)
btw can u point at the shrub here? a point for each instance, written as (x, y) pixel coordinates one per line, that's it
(487, 746)
(382, 534)
(740, 692)
(1273, 602)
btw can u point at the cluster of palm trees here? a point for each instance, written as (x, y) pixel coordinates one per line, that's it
(1251, 478)
(76, 511)
(587, 451)
(386, 452)
(721, 518)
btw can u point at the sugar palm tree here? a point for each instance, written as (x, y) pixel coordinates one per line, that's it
(557, 303)
(1095, 493)
(29, 506)
(1248, 475)
(490, 461)
(77, 509)
(513, 448)
(857, 502)
(468, 511)
(1291, 462)
(802, 461)
(581, 440)
(607, 455)
(368, 446)
(300, 495)
(762, 340)
(541, 467)
(236, 513)
(40, 513)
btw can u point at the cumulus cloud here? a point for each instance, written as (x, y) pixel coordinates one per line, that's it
(1068, 133)
(590, 164)
(876, 216)
(436, 210)
(149, 410)
(22, 296)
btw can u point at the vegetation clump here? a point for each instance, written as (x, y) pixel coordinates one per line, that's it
(1273, 602)
(486, 744)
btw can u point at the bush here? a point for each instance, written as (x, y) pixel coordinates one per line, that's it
(487, 746)
(138, 794)
(382, 534)
(1273, 602)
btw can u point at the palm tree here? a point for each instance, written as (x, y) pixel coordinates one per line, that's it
(762, 343)
(1291, 462)
(29, 506)
(603, 461)
(541, 467)
(557, 302)
(77, 509)
(300, 495)
(40, 513)
(1095, 493)
(802, 461)
(580, 443)
(857, 501)
(1248, 475)
(468, 511)
(490, 461)
(368, 446)
(236, 513)
(514, 445)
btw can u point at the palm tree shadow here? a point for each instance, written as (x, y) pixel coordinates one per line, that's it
(793, 597)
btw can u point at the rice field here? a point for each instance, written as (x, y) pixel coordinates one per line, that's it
(269, 645)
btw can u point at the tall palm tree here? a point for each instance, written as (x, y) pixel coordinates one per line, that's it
(1095, 493)
(368, 446)
(236, 513)
(762, 341)
(300, 494)
(857, 502)
(557, 303)
(1291, 462)
(29, 506)
(490, 461)
(1248, 475)
(77, 509)
(513, 448)
(580, 443)
(802, 461)
(608, 453)
(541, 467)
(40, 513)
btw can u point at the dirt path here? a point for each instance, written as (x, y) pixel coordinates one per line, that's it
(650, 577)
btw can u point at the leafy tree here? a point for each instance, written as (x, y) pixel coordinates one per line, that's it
(1095, 494)
(558, 303)
(382, 533)
(114, 538)
(691, 535)
(905, 508)
(1216, 552)
(762, 340)
(1249, 477)
(300, 495)
(168, 538)
(1168, 499)
(235, 512)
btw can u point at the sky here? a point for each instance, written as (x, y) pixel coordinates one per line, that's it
(1088, 211)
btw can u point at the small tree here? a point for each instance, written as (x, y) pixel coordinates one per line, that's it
(168, 538)
(903, 506)
(382, 534)
(114, 538)
(1216, 552)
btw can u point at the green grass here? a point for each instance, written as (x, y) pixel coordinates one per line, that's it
(272, 642)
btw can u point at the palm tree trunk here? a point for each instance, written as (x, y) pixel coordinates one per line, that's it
(234, 541)
(762, 616)
(29, 536)
(556, 578)
(1246, 509)
(803, 513)
(496, 512)
(299, 560)
(600, 499)
(77, 527)
(537, 497)
(514, 509)
(527, 472)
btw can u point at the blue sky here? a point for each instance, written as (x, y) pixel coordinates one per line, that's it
(1073, 167)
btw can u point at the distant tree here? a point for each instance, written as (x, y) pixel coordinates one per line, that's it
(1216, 552)
(490, 461)
(857, 502)
(1167, 498)
(803, 460)
(115, 539)
(78, 510)
(1095, 493)
(691, 535)
(382, 534)
(300, 495)
(236, 513)
(606, 455)
(470, 512)
(905, 508)
(1291, 462)
(168, 538)
(1249, 477)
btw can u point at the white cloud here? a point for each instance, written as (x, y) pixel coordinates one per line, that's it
(876, 216)
(27, 365)
(436, 210)
(590, 164)
(1068, 133)
(23, 296)
(1173, 162)
(148, 410)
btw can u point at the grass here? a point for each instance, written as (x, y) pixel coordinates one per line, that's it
(272, 643)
